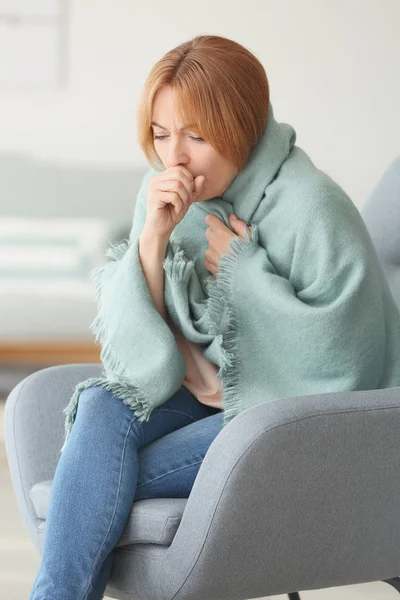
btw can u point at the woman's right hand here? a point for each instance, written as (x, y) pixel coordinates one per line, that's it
(169, 197)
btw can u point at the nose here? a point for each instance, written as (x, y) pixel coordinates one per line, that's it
(176, 154)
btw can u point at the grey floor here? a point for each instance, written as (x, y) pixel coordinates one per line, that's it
(19, 560)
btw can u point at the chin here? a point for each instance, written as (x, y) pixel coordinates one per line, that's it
(200, 199)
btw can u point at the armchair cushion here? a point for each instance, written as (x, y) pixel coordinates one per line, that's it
(153, 521)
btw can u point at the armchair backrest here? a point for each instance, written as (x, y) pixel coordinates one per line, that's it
(381, 214)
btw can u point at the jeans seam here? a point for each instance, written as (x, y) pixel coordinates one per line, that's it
(178, 412)
(169, 472)
(92, 580)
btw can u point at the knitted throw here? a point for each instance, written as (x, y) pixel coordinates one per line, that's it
(301, 307)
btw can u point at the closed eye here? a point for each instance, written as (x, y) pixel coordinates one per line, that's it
(162, 137)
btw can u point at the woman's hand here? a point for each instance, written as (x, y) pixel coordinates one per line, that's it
(169, 197)
(219, 237)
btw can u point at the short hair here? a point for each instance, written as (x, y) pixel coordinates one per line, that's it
(219, 86)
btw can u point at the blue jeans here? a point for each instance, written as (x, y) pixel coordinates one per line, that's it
(110, 461)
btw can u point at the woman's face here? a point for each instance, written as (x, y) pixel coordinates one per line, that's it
(178, 146)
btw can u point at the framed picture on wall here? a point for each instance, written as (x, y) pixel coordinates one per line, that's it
(32, 44)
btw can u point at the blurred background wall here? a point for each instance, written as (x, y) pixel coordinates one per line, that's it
(332, 64)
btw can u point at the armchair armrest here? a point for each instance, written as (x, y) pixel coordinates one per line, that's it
(34, 428)
(302, 492)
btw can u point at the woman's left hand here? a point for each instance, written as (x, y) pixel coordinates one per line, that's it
(219, 237)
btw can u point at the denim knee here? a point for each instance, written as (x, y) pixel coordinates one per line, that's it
(97, 400)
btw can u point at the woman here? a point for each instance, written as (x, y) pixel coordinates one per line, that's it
(312, 314)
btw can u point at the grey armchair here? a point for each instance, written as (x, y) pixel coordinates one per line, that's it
(297, 494)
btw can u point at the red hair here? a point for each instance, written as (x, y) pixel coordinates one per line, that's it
(219, 86)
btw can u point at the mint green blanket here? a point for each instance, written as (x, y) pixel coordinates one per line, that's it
(302, 307)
